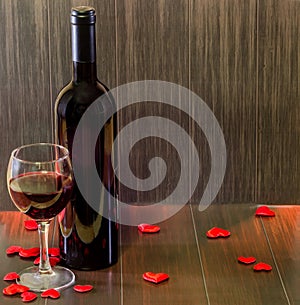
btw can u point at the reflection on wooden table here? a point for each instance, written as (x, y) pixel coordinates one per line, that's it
(201, 270)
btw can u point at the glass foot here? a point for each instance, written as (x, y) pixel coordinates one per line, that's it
(59, 279)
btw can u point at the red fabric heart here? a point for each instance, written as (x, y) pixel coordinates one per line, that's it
(247, 260)
(155, 277)
(147, 228)
(54, 251)
(264, 211)
(37, 261)
(30, 224)
(28, 296)
(14, 289)
(11, 276)
(50, 293)
(217, 232)
(262, 267)
(13, 250)
(53, 261)
(83, 288)
(31, 252)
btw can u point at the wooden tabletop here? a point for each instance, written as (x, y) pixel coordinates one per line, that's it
(201, 270)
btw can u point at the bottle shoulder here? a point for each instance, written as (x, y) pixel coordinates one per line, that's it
(76, 97)
(84, 90)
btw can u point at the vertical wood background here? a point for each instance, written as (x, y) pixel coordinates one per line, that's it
(240, 57)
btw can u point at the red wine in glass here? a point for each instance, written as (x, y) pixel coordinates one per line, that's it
(41, 195)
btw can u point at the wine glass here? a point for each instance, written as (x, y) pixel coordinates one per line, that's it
(40, 184)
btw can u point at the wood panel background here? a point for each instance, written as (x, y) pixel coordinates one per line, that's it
(240, 57)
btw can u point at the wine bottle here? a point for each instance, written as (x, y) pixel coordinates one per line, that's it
(87, 240)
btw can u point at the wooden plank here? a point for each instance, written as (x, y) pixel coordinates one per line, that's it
(223, 74)
(152, 40)
(229, 282)
(152, 43)
(25, 106)
(278, 101)
(283, 232)
(174, 251)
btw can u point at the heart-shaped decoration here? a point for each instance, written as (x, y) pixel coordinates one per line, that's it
(31, 252)
(51, 293)
(54, 251)
(13, 250)
(11, 276)
(53, 261)
(155, 277)
(28, 296)
(14, 289)
(262, 267)
(247, 260)
(30, 225)
(147, 228)
(264, 211)
(83, 288)
(217, 232)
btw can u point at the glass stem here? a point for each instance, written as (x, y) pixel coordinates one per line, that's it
(44, 266)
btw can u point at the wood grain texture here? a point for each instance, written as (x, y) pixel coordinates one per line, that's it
(25, 104)
(174, 251)
(240, 57)
(152, 44)
(152, 40)
(106, 288)
(278, 101)
(223, 74)
(215, 277)
(226, 279)
(283, 232)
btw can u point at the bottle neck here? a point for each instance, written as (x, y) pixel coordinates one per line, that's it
(83, 52)
(84, 72)
(83, 44)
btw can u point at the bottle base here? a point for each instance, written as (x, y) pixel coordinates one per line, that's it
(80, 267)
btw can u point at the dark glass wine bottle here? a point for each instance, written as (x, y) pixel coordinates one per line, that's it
(87, 240)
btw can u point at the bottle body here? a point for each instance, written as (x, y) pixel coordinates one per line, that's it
(87, 240)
